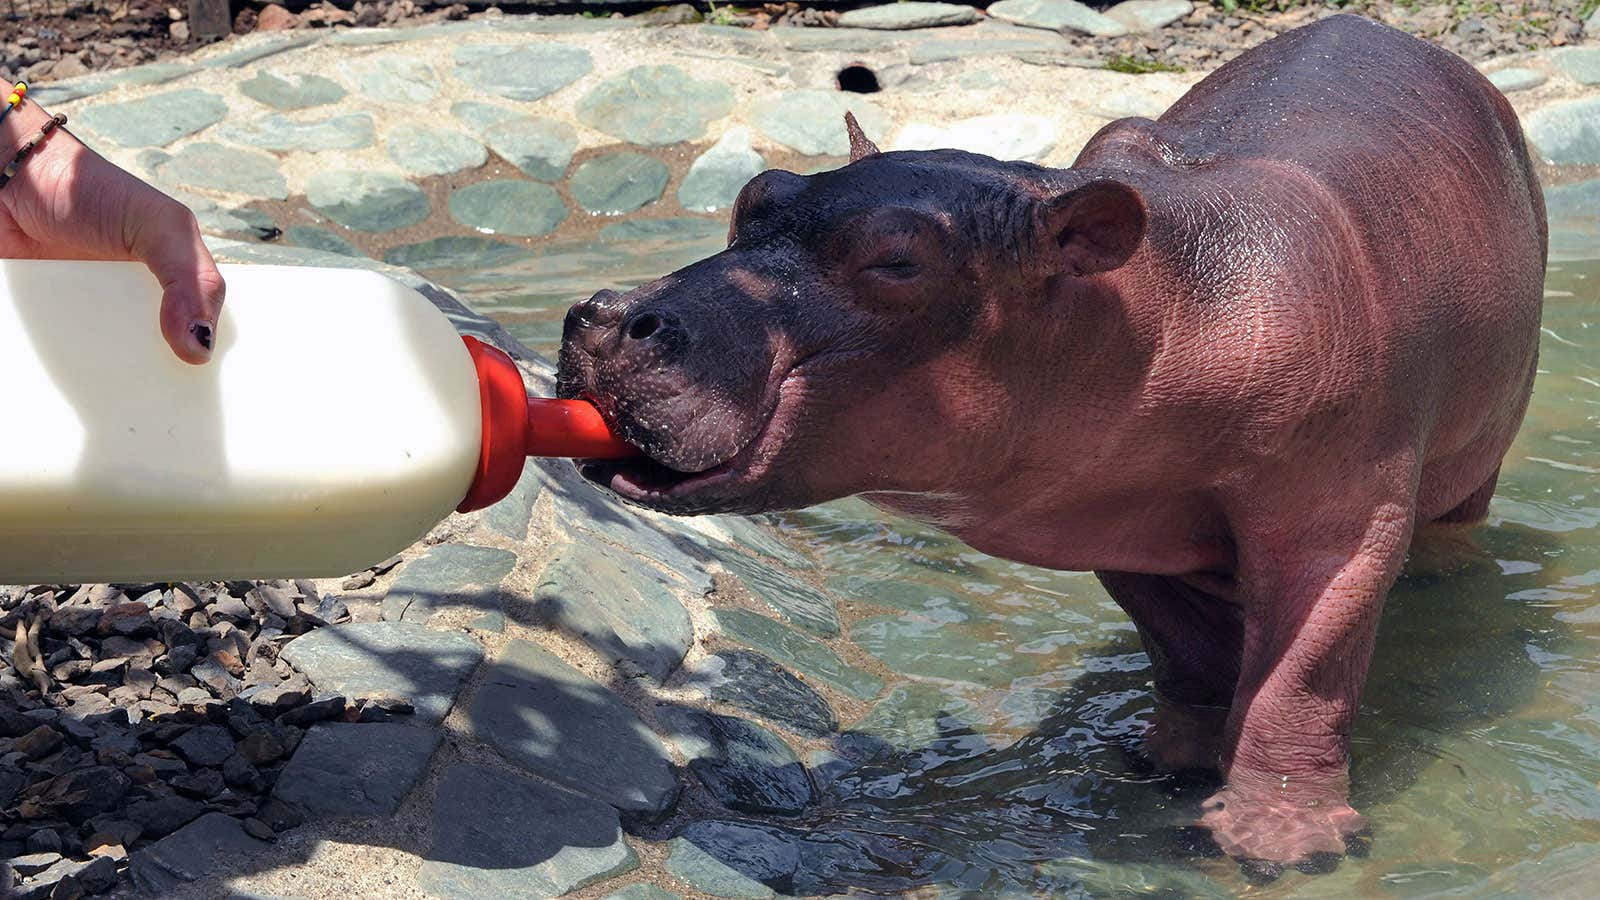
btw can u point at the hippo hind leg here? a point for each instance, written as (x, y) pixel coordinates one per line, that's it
(1194, 641)
(1446, 545)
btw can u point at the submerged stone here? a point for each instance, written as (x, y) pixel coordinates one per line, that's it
(745, 767)
(431, 150)
(218, 168)
(424, 666)
(278, 132)
(795, 600)
(757, 685)
(448, 575)
(552, 719)
(367, 201)
(655, 105)
(301, 90)
(812, 121)
(934, 647)
(714, 179)
(617, 183)
(154, 121)
(1057, 15)
(356, 770)
(806, 655)
(526, 71)
(453, 252)
(517, 208)
(622, 608)
(541, 148)
(733, 859)
(678, 229)
(913, 14)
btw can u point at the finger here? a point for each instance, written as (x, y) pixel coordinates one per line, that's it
(168, 242)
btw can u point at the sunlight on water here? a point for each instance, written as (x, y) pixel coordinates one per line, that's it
(1005, 758)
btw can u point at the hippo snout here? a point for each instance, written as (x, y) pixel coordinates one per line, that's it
(606, 323)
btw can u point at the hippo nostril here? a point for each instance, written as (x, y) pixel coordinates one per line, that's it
(643, 326)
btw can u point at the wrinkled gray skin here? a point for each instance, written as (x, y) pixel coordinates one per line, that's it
(1233, 361)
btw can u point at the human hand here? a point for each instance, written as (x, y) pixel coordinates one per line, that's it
(68, 202)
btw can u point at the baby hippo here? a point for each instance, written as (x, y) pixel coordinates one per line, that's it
(1233, 361)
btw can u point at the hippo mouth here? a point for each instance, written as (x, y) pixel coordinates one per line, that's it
(724, 487)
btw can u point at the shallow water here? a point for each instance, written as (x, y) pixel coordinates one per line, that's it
(1005, 758)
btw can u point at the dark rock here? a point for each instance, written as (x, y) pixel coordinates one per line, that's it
(259, 830)
(261, 746)
(758, 685)
(137, 652)
(38, 743)
(275, 699)
(130, 619)
(321, 709)
(76, 796)
(426, 666)
(163, 815)
(117, 831)
(356, 769)
(75, 620)
(281, 815)
(231, 607)
(232, 803)
(33, 863)
(273, 599)
(207, 745)
(208, 846)
(747, 768)
(204, 784)
(177, 660)
(44, 840)
(332, 610)
(237, 771)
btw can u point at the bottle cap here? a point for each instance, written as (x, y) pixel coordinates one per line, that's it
(516, 426)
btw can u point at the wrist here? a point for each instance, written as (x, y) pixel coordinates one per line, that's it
(56, 150)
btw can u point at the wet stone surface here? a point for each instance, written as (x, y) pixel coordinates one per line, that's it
(757, 685)
(516, 208)
(745, 767)
(533, 840)
(619, 606)
(793, 599)
(453, 252)
(424, 666)
(806, 655)
(617, 183)
(393, 79)
(732, 859)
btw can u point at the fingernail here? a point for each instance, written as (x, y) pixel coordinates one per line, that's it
(202, 333)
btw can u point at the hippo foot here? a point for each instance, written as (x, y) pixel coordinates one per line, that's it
(1271, 827)
(1185, 737)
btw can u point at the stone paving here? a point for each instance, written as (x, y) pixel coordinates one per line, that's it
(598, 690)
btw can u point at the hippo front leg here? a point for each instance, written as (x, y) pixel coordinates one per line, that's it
(1311, 605)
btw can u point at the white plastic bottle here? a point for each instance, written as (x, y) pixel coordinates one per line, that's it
(340, 418)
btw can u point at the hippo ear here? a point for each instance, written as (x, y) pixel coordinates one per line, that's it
(860, 145)
(1092, 228)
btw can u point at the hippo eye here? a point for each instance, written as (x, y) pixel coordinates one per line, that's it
(897, 268)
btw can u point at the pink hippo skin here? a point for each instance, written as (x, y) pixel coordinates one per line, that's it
(1232, 361)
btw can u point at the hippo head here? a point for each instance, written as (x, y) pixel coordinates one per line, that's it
(858, 335)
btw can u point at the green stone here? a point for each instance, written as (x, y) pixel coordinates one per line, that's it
(904, 15)
(803, 654)
(1517, 79)
(1057, 15)
(655, 105)
(1581, 64)
(454, 253)
(356, 770)
(425, 666)
(154, 121)
(923, 645)
(517, 208)
(480, 116)
(540, 147)
(521, 71)
(620, 607)
(511, 516)
(281, 133)
(367, 201)
(499, 835)
(714, 179)
(733, 859)
(912, 717)
(709, 874)
(394, 79)
(796, 601)
(757, 685)
(218, 168)
(424, 149)
(618, 183)
(812, 122)
(1567, 134)
(449, 575)
(314, 238)
(299, 91)
(679, 229)
(545, 715)
(746, 768)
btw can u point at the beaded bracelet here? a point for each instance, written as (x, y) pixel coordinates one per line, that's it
(17, 98)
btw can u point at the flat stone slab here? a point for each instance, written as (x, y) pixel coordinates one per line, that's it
(541, 148)
(423, 149)
(944, 50)
(655, 105)
(1148, 15)
(281, 133)
(757, 685)
(497, 835)
(356, 770)
(733, 859)
(210, 845)
(525, 71)
(394, 78)
(1057, 15)
(453, 253)
(745, 767)
(367, 201)
(795, 600)
(914, 14)
(448, 575)
(314, 238)
(621, 607)
(715, 177)
(1517, 79)
(1567, 134)
(1004, 136)
(805, 655)
(154, 121)
(812, 122)
(1581, 64)
(615, 183)
(516, 208)
(547, 716)
(424, 666)
(581, 508)
(301, 90)
(218, 168)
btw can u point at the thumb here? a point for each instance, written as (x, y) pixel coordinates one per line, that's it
(168, 241)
